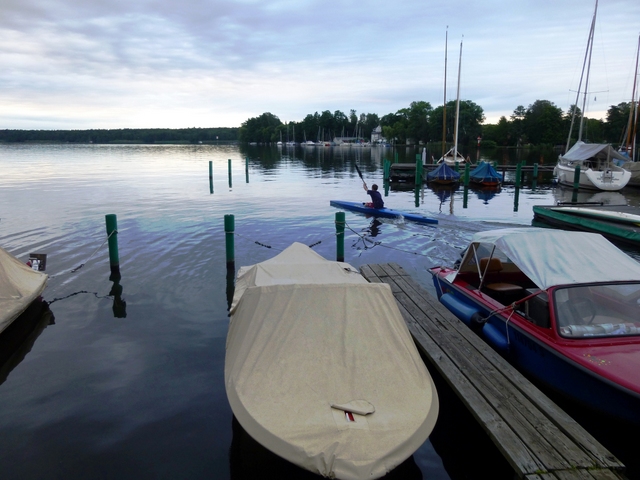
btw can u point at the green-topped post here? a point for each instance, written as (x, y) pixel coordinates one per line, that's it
(518, 174)
(340, 223)
(466, 174)
(534, 181)
(246, 168)
(576, 178)
(112, 233)
(210, 176)
(230, 181)
(229, 229)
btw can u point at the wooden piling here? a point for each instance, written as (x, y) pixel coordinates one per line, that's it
(229, 229)
(112, 232)
(340, 223)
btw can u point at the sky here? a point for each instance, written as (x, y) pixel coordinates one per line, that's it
(80, 64)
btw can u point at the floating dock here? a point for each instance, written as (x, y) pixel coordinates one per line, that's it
(406, 172)
(536, 437)
(616, 222)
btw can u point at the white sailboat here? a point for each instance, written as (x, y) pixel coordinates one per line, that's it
(629, 146)
(453, 156)
(596, 161)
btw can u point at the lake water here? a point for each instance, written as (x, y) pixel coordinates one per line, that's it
(128, 381)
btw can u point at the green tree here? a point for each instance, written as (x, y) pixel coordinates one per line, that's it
(260, 129)
(543, 123)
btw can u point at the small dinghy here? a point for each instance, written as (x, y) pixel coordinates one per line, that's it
(321, 369)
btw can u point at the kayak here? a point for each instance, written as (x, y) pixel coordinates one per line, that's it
(382, 212)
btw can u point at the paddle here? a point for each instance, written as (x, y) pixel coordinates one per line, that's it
(360, 174)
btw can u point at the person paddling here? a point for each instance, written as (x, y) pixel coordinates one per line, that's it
(376, 198)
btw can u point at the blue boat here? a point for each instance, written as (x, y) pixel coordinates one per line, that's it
(382, 212)
(485, 174)
(443, 175)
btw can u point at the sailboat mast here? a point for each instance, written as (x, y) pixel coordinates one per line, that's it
(444, 104)
(587, 57)
(586, 83)
(455, 132)
(632, 125)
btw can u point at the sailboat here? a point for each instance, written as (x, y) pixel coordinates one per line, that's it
(629, 146)
(596, 161)
(453, 156)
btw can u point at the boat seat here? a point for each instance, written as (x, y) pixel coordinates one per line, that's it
(494, 265)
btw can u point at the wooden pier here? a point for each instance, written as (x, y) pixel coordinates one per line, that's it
(538, 440)
(406, 172)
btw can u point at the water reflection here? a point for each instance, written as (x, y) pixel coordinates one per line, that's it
(17, 340)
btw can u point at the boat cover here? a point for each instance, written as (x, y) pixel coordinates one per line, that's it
(443, 172)
(584, 151)
(309, 340)
(556, 257)
(19, 286)
(485, 173)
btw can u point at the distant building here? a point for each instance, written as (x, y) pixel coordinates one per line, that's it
(376, 135)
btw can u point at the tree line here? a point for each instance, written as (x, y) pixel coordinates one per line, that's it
(541, 123)
(124, 135)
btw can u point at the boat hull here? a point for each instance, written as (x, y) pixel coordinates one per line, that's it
(382, 212)
(609, 180)
(538, 359)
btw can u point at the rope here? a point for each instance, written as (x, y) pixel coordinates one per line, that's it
(78, 293)
(73, 270)
(281, 249)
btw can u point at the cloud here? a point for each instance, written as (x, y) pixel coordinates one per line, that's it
(164, 63)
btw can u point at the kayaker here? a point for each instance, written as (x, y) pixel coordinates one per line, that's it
(376, 198)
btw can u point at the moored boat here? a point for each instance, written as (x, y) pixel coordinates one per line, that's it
(382, 212)
(443, 174)
(562, 306)
(596, 162)
(485, 175)
(597, 168)
(20, 286)
(321, 369)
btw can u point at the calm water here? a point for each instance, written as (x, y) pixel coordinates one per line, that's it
(131, 386)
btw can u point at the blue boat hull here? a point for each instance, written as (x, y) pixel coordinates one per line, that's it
(382, 212)
(540, 362)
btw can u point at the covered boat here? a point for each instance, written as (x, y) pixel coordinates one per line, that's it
(443, 174)
(598, 170)
(19, 287)
(562, 306)
(321, 369)
(484, 174)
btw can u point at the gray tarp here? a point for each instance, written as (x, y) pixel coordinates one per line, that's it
(19, 286)
(556, 257)
(584, 151)
(300, 354)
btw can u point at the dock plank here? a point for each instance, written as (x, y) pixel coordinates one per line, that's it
(539, 440)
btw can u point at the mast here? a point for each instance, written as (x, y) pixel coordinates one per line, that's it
(632, 125)
(587, 61)
(455, 132)
(444, 104)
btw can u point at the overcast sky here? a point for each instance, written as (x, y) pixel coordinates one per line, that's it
(78, 64)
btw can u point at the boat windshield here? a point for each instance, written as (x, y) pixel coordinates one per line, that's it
(588, 311)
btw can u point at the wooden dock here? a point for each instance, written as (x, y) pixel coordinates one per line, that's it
(539, 440)
(405, 172)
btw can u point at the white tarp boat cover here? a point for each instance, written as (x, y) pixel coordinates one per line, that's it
(584, 151)
(556, 257)
(306, 357)
(19, 286)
